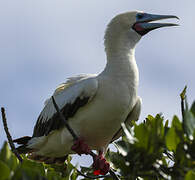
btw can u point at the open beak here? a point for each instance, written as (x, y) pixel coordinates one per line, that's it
(143, 25)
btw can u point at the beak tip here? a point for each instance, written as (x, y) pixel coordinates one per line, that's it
(177, 17)
(176, 25)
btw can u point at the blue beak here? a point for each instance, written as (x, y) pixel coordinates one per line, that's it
(143, 25)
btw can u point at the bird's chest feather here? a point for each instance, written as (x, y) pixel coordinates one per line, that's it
(105, 113)
(118, 94)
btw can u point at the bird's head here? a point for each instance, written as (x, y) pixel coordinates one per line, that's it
(129, 27)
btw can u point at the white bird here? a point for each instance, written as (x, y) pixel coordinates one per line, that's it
(95, 105)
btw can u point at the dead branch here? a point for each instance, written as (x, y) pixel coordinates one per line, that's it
(10, 141)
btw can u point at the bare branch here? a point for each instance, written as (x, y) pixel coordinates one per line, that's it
(10, 141)
(114, 176)
(64, 120)
(183, 97)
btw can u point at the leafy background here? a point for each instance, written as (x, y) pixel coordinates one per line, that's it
(151, 150)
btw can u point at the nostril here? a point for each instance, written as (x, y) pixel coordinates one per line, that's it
(140, 16)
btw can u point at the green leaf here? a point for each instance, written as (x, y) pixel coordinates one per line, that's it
(74, 175)
(190, 175)
(53, 175)
(118, 161)
(183, 93)
(188, 118)
(176, 123)
(141, 134)
(189, 123)
(29, 169)
(192, 109)
(85, 169)
(8, 157)
(172, 139)
(34, 166)
(5, 153)
(4, 171)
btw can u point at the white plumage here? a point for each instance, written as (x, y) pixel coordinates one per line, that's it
(96, 105)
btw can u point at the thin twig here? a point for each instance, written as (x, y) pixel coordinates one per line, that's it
(115, 177)
(64, 120)
(10, 141)
(183, 97)
(182, 108)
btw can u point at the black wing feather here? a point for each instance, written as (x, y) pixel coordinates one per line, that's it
(44, 127)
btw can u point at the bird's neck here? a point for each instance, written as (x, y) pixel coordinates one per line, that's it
(121, 63)
(121, 67)
(121, 59)
(120, 51)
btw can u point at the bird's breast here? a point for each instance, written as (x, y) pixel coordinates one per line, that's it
(102, 117)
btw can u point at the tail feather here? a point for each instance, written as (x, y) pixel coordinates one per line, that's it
(23, 141)
(23, 149)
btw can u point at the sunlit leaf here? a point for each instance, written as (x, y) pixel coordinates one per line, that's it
(74, 175)
(8, 157)
(141, 134)
(5, 153)
(176, 123)
(190, 175)
(183, 93)
(4, 171)
(172, 139)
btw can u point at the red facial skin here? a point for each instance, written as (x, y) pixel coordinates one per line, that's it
(138, 28)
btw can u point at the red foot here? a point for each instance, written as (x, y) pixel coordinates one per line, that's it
(80, 147)
(100, 166)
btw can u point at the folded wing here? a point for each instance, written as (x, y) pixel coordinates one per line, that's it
(70, 96)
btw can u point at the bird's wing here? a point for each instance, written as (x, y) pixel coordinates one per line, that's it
(70, 81)
(132, 116)
(69, 96)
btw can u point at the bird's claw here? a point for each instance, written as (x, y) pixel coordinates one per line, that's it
(100, 166)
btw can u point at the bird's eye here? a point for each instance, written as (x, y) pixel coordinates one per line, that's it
(140, 16)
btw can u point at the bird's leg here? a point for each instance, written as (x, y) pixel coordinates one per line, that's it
(80, 147)
(100, 165)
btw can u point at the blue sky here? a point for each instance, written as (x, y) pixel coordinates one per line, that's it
(42, 42)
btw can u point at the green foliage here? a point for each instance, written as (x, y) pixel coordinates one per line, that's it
(12, 169)
(158, 151)
(151, 150)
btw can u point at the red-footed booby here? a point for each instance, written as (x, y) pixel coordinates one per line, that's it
(95, 105)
